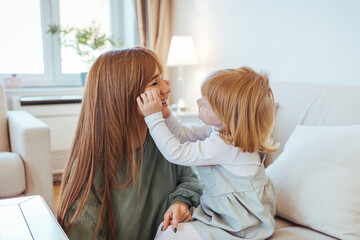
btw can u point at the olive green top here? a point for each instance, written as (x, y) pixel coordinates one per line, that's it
(138, 209)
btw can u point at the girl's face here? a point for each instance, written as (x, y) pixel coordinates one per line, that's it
(206, 114)
(161, 86)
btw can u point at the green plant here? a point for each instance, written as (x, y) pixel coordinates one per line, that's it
(87, 41)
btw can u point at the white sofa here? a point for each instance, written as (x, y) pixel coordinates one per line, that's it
(316, 171)
(25, 166)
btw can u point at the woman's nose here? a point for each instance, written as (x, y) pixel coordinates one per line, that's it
(165, 87)
(199, 102)
(167, 82)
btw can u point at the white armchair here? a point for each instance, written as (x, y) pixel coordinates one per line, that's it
(25, 165)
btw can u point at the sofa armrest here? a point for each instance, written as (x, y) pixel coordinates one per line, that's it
(30, 138)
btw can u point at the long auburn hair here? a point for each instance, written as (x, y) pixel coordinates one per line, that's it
(244, 102)
(108, 128)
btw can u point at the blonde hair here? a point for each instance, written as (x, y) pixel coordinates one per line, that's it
(244, 102)
(108, 128)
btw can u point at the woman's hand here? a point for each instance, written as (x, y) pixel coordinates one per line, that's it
(149, 103)
(177, 212)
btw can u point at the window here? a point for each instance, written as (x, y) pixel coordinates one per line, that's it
(26, 49)
(21, 45)
(91, 10)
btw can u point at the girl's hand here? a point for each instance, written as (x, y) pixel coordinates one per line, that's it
(177, 212)
(149, 103)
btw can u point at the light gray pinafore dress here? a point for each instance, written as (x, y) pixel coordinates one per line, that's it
(234, 207)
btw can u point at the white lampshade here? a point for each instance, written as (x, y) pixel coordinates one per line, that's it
(182, 52)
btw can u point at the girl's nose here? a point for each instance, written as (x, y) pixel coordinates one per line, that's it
(199, 102)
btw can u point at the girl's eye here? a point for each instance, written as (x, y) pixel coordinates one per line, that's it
(154, 84)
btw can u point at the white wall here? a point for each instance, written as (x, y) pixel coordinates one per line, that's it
(294, 40)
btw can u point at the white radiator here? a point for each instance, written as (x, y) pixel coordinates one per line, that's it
(61, 113)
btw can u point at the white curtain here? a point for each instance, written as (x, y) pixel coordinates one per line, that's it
(154, 25)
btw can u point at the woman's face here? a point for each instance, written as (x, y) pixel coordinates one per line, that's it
(161, 86)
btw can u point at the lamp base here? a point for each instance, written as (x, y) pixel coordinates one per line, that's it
(179, 106)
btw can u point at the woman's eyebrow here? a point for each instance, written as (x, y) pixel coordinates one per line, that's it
(155, 77)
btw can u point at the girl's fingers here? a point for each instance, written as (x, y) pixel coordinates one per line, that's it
(150, 96)
(155, 95)
(139, 102)
(144, 98)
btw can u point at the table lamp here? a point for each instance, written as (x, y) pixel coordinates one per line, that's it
(181, 53)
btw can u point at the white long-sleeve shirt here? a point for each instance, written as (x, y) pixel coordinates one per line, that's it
(199, 146)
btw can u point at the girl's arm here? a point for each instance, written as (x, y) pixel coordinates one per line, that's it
(211, 151)
(185, 133)
(150, 103)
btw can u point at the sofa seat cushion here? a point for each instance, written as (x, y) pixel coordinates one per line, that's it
(287, 230)
(12, 175)
(298, 233)
(282, 223)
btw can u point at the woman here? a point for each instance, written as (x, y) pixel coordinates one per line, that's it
(116, 183)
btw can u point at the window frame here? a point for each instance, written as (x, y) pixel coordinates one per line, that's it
(120, 21)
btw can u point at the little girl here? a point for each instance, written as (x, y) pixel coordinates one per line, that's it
(238, 202)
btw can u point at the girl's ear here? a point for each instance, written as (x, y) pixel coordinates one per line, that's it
(220, 126)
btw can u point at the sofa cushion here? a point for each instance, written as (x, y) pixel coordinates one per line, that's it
(298, 233)
(312, 105)
(317, 179)
(287, 230)
(12, 175)
(282, 223)
(4, 137)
